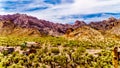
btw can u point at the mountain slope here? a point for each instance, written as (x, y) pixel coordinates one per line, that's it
(46, 27)
(114, 32)
(85, 33)
(24, 25)
(105, 24)
(8, 28)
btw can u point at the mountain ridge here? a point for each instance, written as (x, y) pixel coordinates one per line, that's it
(47, 27)
(24, 21)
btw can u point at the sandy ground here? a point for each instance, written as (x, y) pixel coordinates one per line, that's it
(93, 51)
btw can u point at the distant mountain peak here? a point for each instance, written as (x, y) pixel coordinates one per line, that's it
(50, 28)
(79, 24)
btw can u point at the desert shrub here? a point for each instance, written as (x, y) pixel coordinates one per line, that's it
(23, 45)
(72, 55)
(55, 50)
(61, 60)
(43, 66)
(5, 52)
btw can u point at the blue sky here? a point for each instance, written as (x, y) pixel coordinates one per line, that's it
(63, 11)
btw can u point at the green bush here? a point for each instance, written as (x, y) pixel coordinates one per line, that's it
(55, 50)
(5, 52)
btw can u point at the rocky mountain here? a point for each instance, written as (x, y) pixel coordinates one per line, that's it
(100, 30)
(85, 33)
(105, 24)
(22, 24)
(7, 28)
(46, 27)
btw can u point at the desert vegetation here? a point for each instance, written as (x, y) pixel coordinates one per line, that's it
(27, 42)
(56, 52)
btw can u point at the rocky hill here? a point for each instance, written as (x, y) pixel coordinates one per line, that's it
(105, 24)
(24, 25)
(7, 28)
(100, 30)
(85, 33)
(46, 27)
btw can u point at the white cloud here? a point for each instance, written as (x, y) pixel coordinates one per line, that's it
(54, 12)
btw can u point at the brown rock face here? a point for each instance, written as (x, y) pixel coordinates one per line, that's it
(28, 23)
(105, 24)
(78, 24)
(48, 28)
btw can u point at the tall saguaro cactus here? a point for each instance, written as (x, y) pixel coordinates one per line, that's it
(115, 57)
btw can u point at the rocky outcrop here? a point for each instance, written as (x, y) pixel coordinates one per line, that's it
(78, 24)
(105, 24)
(23, 22)
(47, 27)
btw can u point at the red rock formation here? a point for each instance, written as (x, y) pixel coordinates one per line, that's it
(105, 24)
(54, 29)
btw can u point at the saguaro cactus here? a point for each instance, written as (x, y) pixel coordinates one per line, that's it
(115, 57)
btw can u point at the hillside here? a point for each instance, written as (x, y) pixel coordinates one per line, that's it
(105, 24)
(94, 31)
(85, 33)
(24, 25)
(25, 21)
(7, 28)
(114, 32)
